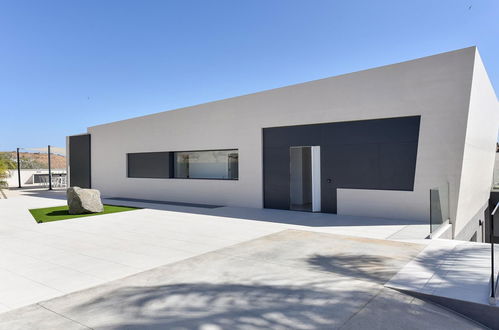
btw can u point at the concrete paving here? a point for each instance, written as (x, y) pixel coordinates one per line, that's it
(455, 274)
(42, 261)
(287, 280)
(453, 269)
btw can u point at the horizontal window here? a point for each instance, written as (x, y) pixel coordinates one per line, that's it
(154, 165)
(214, 164)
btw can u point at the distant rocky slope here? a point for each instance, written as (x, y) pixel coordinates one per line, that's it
(32, 160)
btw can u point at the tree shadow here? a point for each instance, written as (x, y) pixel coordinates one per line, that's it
(239, 306)
(359, 266)
(221, 306)
(268, 298)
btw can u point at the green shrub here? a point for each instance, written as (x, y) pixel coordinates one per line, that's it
(4, 173)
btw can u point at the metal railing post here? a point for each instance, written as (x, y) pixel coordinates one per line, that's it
(432, 216)
(492, 272)
(18, 169)
(50, 169)
(493, 286)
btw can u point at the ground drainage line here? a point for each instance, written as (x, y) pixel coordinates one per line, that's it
(67, 318)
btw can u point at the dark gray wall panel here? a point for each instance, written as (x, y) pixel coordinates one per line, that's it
(79, 161)
(291, 136)
(397, 165)
(276, 187)
(149, 165)
(368, 154)
(351, 165)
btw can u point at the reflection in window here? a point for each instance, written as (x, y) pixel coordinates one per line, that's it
(215, 164)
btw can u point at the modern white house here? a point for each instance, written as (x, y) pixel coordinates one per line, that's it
(371, 143)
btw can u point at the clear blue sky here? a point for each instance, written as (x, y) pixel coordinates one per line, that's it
(66, 65)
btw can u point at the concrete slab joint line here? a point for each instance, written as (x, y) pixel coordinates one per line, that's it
(61, 315)
(361, 309)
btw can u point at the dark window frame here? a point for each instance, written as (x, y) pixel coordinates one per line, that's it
(207, 150)
(171, 165)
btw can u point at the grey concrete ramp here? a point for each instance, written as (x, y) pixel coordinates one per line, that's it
(487, 315)
(453, 274)
(287, 280)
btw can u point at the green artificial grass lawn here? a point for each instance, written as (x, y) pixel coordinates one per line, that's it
(57, 213)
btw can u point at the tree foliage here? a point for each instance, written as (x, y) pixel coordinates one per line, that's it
(6, 164)
(7, 161)
(4, 171)
(28, 163)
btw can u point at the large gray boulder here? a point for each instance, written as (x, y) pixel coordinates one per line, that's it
(82, 201)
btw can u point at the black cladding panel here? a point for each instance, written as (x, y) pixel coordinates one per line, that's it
(397, 166)
(302, 135)
(276, 179)
(367, 154)
(351, 165)
(149, 165)
(79, 161)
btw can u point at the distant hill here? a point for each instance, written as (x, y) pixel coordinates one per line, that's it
(32, 160)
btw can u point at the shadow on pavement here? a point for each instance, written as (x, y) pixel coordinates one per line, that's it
(223, 306)
(308, 219)
(233, 306)
(363, 267)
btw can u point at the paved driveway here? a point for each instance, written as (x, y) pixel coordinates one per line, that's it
(42, 261)
(287, 280)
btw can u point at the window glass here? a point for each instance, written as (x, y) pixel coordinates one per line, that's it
(148, 165)
(215, 164)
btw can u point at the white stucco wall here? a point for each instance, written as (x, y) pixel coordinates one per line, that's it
(436, 87)
(27, 176)
(479, 148)
(495, 181)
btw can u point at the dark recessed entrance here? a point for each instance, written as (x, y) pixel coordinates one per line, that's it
(375, 154)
